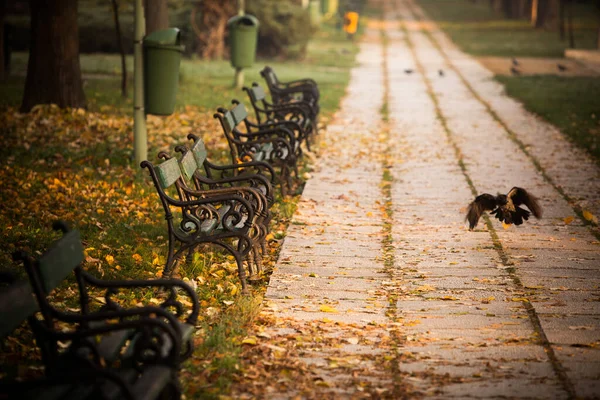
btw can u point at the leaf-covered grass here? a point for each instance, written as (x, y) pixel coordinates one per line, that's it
(481, 31)
(76, 165)
(572, 104)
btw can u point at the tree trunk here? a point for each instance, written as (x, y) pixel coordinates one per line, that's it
(561, 19)
(3, 72)
(156, 14)
(115, 7)
(570, 24)
(53, 71)
(211, 31)
(545, 13)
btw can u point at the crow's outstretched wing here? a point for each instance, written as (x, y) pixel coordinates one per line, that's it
(520, 196)
(483, 202)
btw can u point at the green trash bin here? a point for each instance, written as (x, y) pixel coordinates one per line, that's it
(243, 37)
(162, 57)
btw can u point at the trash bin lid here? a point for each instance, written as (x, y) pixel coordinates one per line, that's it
(170, 36)
(243, 20)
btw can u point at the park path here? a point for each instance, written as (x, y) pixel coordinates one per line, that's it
(380, 291)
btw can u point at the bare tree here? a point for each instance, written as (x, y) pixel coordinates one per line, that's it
(156, 14)
(53, 71)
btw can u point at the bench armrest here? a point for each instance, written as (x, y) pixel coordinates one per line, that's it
(175, 287)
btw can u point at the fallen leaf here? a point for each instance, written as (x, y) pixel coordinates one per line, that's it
(251, 340)
(589, 216)
(329, 309)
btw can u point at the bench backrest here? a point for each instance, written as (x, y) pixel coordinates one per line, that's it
(269, 76)
(16, 305)
(239, 113)
(228, 122)
(60, 260)
(257, 93)
(188, 164)
(167, 173)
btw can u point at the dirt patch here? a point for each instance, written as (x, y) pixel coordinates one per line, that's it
(536, 66)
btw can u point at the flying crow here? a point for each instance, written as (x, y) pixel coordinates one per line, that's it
(505, 207)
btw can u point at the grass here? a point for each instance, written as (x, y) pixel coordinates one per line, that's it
(570, 103)
(76, 165)
(480, 31)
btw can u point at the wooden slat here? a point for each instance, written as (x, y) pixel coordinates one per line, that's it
(168, 172)
(229, 122)
(16, 305)
(258, 93)
(239, 113)
(188, 165)
(199, 152)
(60, 260)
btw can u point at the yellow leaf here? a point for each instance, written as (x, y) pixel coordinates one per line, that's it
(505, 226)
(448, 298)
(521, 299)
(425, 288)
(109, 259)
(589, 216)
(137, 257)
(326, 308)
(233, 289)
(251, 340)
(568, 220)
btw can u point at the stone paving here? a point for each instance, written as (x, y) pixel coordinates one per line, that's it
(379, 251)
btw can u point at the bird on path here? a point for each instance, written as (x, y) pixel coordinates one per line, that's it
(505, 207)
(515, 62)
(408, 71)
(440, 72)
(561, 67)
(514, 71)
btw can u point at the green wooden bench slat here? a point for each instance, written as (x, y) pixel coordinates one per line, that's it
(258, 93)
(60, 260)
(239, 113)
(188, 165)
(168, 172)
(16, 305)
(199, 152)
(228, 122)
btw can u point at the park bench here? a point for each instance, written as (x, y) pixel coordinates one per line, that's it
(296, 116)
(255, 174)
(109, 351)
(276, 145)
(195, 185)
(305, 90)
(222, 217)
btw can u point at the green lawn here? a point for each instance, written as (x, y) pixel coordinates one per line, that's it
(570, 103)
(480, 31)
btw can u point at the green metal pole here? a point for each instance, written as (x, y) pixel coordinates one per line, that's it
(239, 72)
(140, 135)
